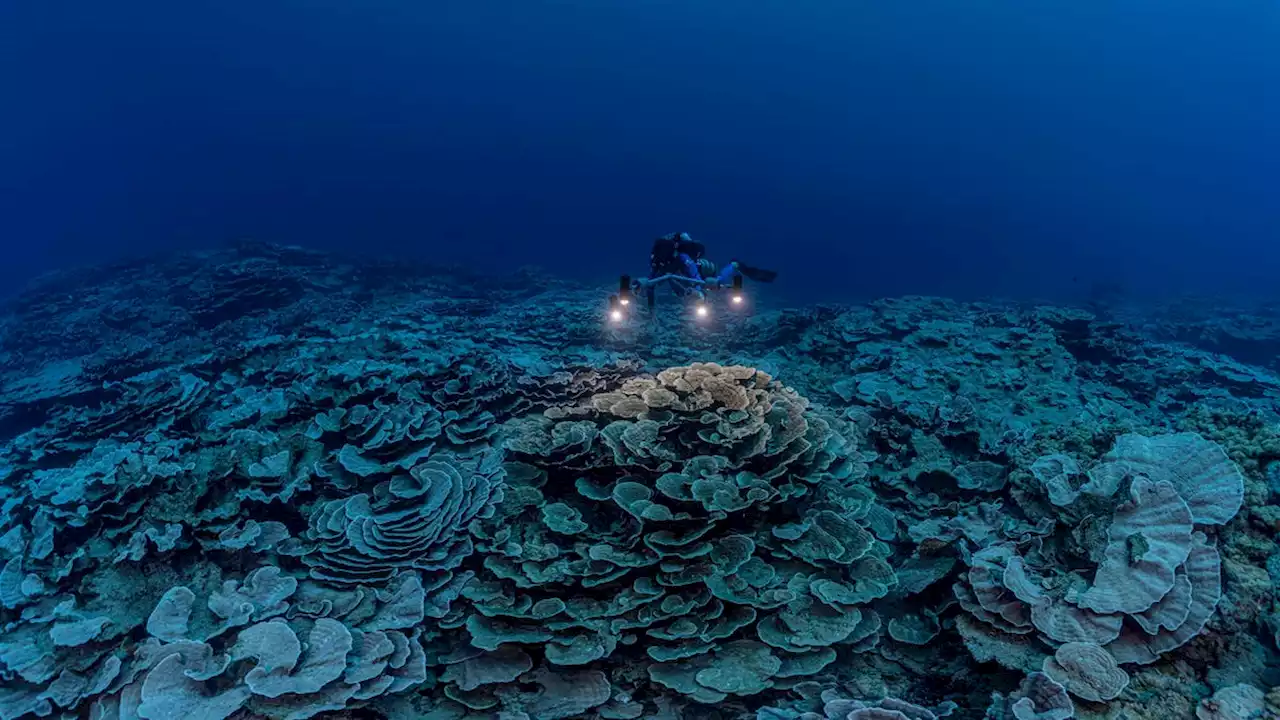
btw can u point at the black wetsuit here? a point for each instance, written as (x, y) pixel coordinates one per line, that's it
(672, 255)
(664, 258)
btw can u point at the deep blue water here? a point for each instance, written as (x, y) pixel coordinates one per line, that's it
(861, 148)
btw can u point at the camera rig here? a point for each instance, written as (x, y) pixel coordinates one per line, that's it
(622, 302)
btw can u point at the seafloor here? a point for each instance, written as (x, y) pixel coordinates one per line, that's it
(270, 483)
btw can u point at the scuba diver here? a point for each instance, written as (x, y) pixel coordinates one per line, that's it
(679, 260)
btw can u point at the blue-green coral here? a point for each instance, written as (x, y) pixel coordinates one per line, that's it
(705, 525)
(267, 483)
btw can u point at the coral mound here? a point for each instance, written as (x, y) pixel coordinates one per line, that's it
(698, 534)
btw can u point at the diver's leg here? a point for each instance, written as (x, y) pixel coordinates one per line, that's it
(726, 275)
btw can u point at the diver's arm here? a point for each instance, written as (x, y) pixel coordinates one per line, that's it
(690, 267)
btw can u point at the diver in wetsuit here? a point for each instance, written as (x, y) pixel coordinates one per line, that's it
(677, 254)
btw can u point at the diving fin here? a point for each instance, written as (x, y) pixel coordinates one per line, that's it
(757, 274)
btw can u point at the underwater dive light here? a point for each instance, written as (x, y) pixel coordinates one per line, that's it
(624, 290)
(615, 309)
(737, 290)
(701, 310)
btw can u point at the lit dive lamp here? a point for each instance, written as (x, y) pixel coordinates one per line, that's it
(615, 309)
(624, 290)
(736, 295)
(701, 310)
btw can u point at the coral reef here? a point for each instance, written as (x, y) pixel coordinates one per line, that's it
(269, 483)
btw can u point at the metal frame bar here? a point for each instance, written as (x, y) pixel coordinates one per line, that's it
(646, 282)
